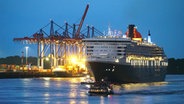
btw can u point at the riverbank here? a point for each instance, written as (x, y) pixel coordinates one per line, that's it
(34, 75)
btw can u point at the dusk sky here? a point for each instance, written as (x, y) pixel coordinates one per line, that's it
(164, 18)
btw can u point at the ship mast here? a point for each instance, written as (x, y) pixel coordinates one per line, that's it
(149, 37)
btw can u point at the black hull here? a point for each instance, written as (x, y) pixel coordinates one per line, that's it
(123, 73)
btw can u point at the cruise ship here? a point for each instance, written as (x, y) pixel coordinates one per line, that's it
(127, 58)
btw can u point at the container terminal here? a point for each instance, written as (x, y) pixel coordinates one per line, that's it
(61, 46)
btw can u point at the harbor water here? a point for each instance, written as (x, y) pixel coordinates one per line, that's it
(70, 91)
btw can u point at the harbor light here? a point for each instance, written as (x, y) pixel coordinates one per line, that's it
(73, 59)
(47, 59)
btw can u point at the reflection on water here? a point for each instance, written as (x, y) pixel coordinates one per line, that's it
(70, 91)
(102, 100)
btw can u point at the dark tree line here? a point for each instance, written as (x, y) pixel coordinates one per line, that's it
(176, 66)
(17, 60)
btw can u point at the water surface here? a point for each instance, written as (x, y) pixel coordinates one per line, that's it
(70, 91)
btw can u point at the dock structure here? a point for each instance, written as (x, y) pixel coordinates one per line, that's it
(58, 43)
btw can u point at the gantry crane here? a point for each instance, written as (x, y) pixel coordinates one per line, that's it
(60, 42)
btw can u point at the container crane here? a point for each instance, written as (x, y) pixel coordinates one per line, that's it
(81, 22)
(62, 42)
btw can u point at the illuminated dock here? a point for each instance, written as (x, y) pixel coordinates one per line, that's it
(61, 45)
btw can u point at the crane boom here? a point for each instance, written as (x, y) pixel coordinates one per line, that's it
(81, 22)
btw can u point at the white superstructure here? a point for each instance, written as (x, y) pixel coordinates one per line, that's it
(123, 49)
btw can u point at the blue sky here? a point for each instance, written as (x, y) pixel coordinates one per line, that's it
(164, 18)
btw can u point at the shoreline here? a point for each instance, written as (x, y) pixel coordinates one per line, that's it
(4, 75)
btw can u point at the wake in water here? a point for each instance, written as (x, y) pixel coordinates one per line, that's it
(155, 88)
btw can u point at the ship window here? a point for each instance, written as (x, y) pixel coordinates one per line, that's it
(90, 46)
(119, 51)
(119, 47)
(89, 50)
(119, 54)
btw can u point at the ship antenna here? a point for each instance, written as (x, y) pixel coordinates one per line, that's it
(109, 31)
(149, 37)
(149, 33)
